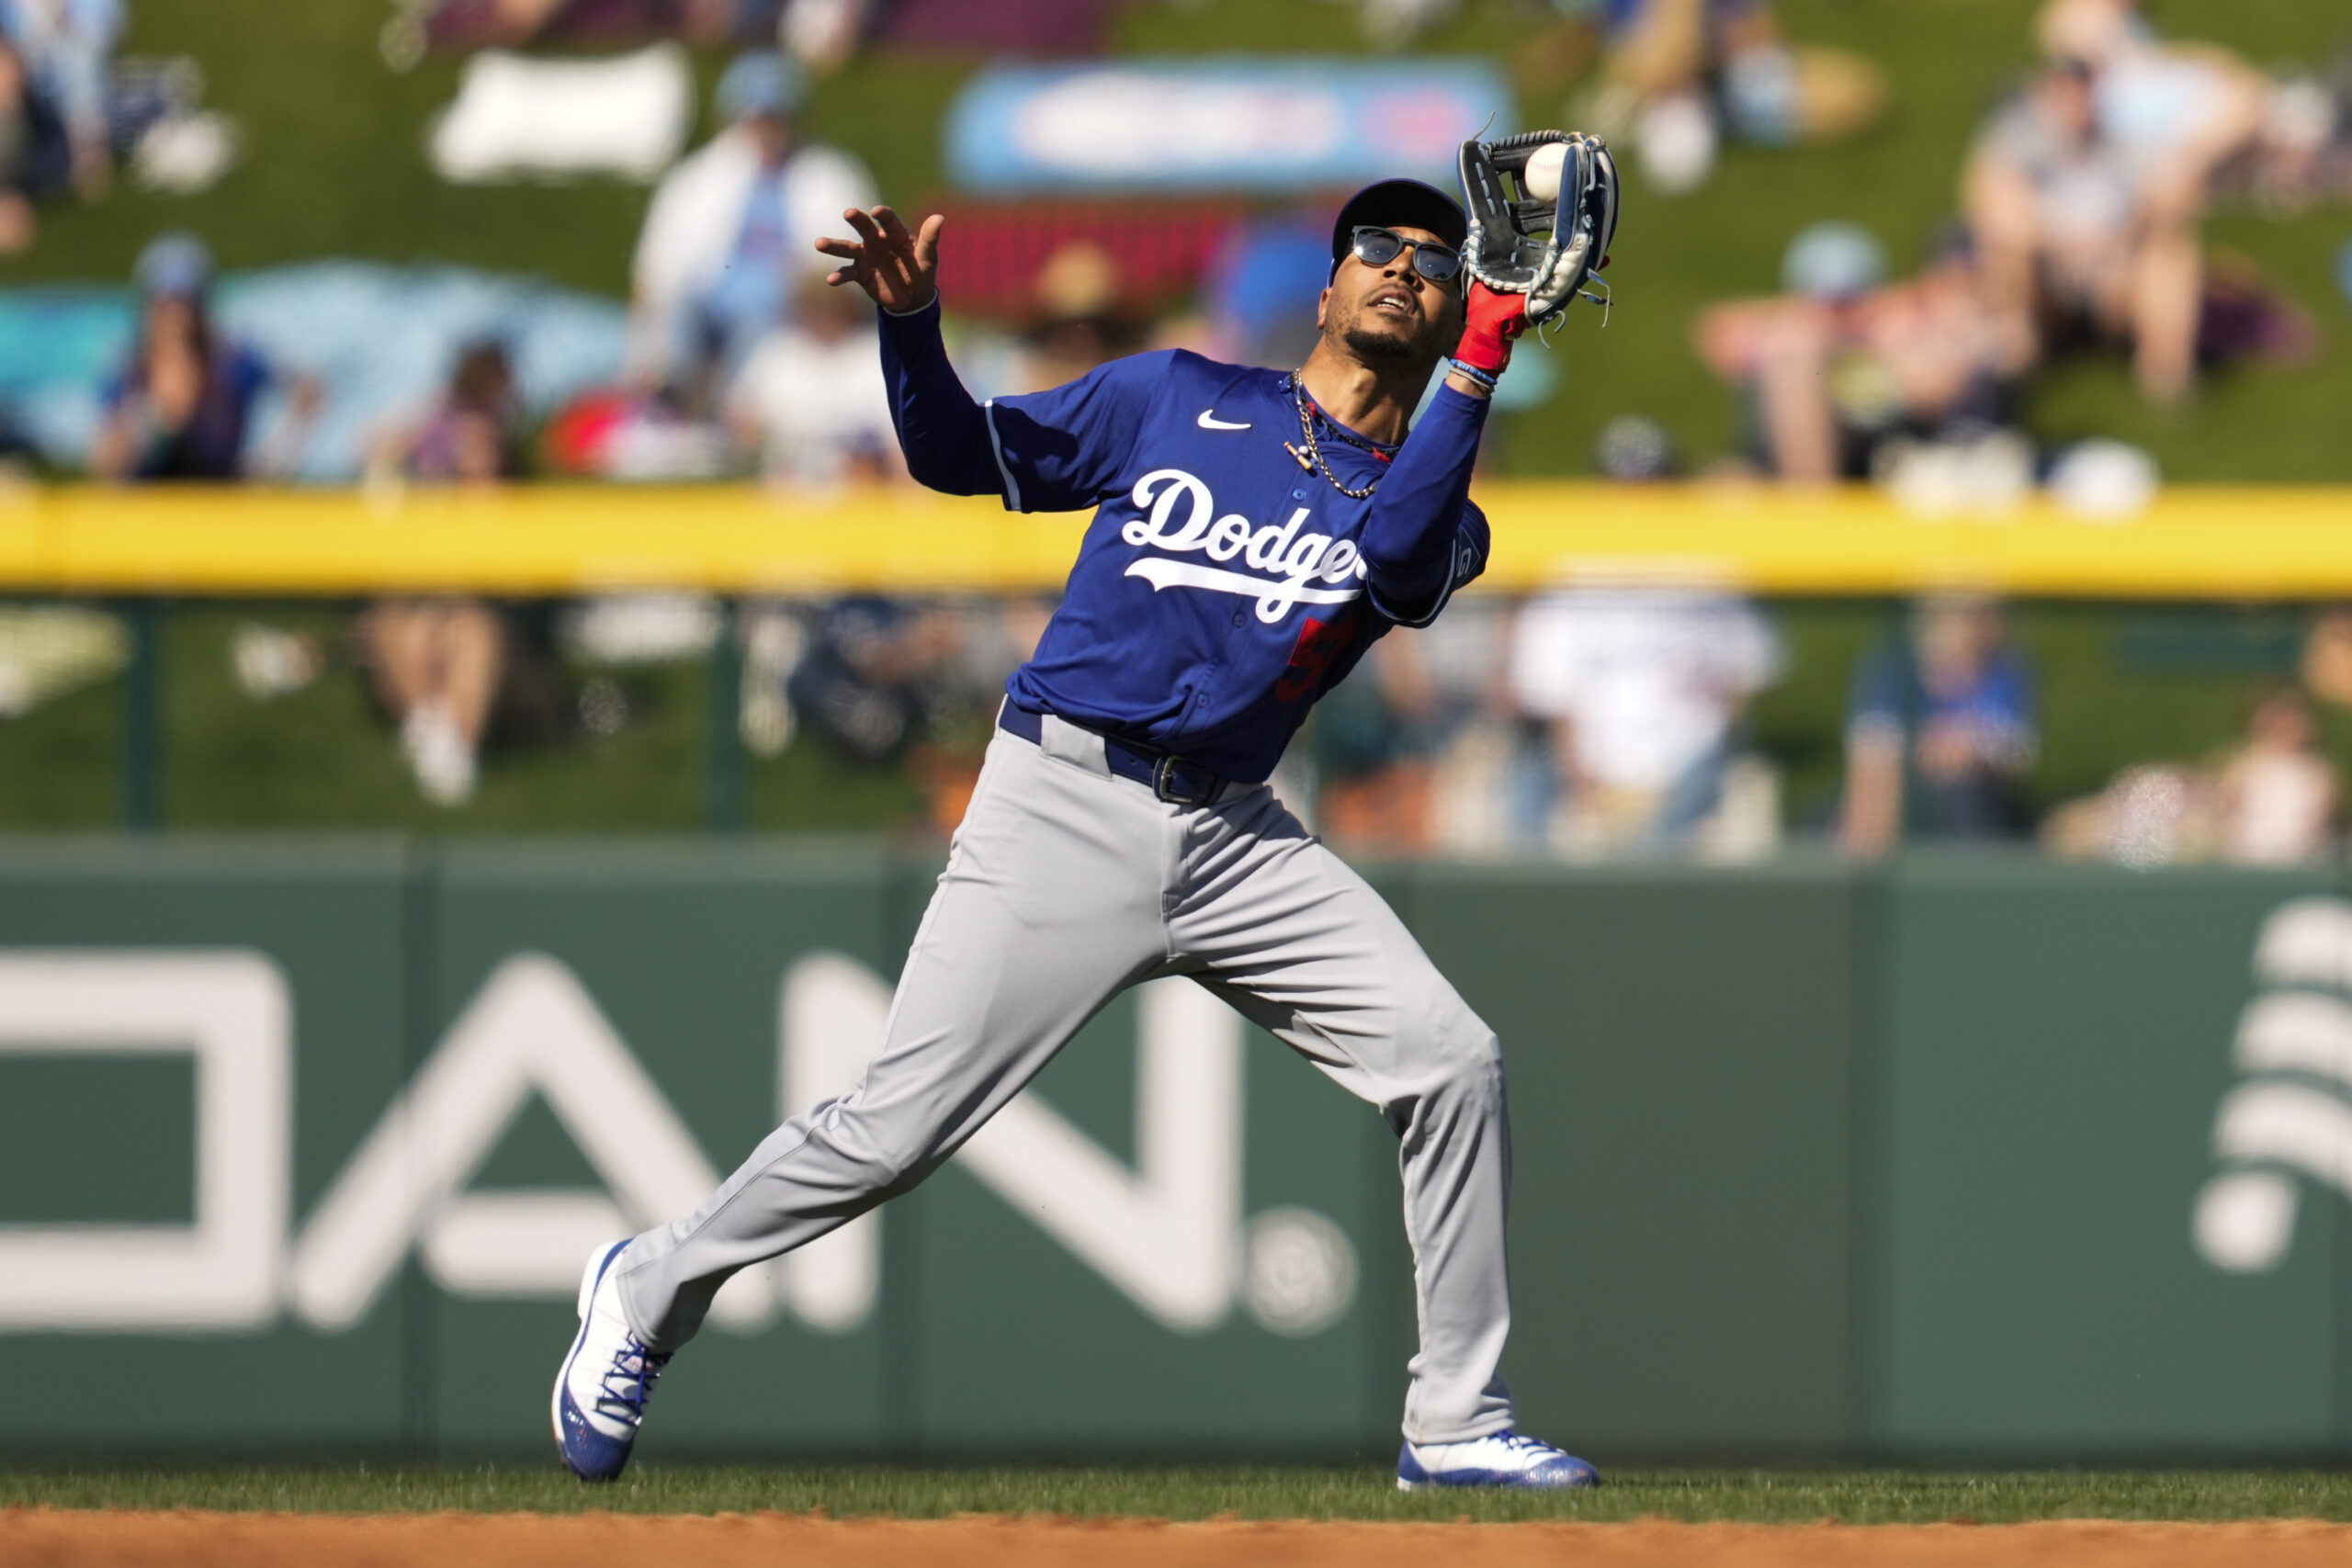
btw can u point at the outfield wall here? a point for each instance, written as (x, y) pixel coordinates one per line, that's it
(301, 1145)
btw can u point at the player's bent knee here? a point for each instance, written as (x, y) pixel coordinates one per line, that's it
(1458, 1037)
(857, 1157)
(1472, 1061)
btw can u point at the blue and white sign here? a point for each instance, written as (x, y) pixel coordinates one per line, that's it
(1212, 124)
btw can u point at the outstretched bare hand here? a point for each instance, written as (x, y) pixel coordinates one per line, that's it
(898, 269)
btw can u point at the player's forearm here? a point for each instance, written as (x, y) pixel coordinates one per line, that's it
(942, 433)
(1408, 540)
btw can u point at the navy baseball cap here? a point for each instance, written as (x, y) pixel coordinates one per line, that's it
(1386, 204)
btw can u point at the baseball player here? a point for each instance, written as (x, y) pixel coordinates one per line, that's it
(1255, 531)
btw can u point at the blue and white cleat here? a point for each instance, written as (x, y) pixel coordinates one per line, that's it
(600, 1392)
(1503, 1458)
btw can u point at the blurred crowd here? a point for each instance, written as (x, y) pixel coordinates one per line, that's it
(2078, 230)
(56, 131)
(2077, 227)
(1584, 721)
(1608, 722)
(822, 35)
(74, 114)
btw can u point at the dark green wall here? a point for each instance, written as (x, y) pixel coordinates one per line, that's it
(1811, 1160)
(2056, 1045)
(1681, 1048)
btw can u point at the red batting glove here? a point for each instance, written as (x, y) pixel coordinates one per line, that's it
(1494, 320)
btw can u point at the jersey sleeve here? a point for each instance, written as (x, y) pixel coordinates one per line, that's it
(1472, 541)
(1424, 538)
(943, 434)
(1063, 449)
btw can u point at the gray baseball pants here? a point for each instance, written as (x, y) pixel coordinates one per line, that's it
(1067, 884)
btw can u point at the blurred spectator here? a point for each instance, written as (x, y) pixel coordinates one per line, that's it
(822, 34)
(1078, 323)
(2327, 657)
(1678, 69)
(2273, 801)
(2302, 156)
(811, 397)
(1940, 731)
(2087, 190)
(869, 680)
(1840, 365)
(618, 433)
(54, 58)
(890, 682)
(1372, 742)
(2054, 209)
(2150, 814)
(2279, 796)
(1261, 288)
(1639, 690)
(730, 230)
(474, 436)
(438, 662)
(32, 155)
(183, 407)
(2174, 112)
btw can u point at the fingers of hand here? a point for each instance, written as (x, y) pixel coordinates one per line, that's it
(868, 228)
(927, 243)
(893, 227)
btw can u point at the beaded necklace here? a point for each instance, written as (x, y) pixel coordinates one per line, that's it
(1310, 458)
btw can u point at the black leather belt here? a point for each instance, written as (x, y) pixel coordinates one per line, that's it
(1170, 777)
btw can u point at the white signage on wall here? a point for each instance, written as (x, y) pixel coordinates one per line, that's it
(227, 1012)
(2289, 1118)
(1168, 1233)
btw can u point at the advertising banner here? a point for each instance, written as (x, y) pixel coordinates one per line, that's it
(1254, 124)
(342, 1133)
(191, 1040)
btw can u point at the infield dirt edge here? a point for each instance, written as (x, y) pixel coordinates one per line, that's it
(49, 1538)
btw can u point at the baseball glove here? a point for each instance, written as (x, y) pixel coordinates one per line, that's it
(1545, 247)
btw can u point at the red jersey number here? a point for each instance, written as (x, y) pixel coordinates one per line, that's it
(1319, 642)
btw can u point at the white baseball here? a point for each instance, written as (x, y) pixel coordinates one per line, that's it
(1542, 176)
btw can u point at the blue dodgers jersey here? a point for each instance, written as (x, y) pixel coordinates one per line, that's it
(1220, 590)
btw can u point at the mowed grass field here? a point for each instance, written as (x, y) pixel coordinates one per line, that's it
(1186, 1493)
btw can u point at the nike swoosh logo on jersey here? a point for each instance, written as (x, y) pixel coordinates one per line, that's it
(1209, 421)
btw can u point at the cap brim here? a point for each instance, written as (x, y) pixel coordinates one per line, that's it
(1395, 204)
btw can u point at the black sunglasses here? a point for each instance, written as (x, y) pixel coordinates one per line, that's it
(1378, 247)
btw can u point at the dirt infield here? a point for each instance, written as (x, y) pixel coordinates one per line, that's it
(43, 1538)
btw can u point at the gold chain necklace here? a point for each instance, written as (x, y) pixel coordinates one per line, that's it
(1311, 457)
